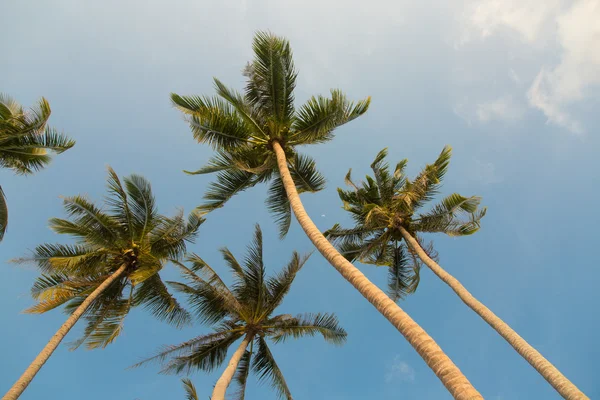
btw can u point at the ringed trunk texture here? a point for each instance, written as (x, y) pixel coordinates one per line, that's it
(554, 377)
(452, 378)
(21, 384)
(225, 379)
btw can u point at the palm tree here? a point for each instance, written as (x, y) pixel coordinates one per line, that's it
(243, 312)
(112, 267)
(255, 136)
(386, 233)
(24, 141)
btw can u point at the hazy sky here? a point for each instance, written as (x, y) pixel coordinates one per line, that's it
(511, 85)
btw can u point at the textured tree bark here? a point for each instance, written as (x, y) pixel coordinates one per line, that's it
(225, 379)
(562, 385)
(21, 384)
(452, 378)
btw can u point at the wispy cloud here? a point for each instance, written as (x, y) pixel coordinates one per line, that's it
(559, 46)
(399, 370)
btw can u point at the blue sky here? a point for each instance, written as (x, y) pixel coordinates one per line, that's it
(511, 85)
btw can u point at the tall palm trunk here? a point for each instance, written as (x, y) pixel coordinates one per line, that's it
(562, 385)
(452, 378)
(21, 384)
(225, 379)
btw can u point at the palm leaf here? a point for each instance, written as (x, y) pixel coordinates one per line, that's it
(267, 369)
(326, 325)
(190, 389)
(155, 297)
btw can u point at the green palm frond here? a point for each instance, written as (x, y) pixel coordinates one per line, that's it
(205, 357)
(213, 121)
(68, 259)
(403, 278)
(279, 206)
(316, 120)
(228, 184)
(3, 214)
(190, 389)
(267, 369)
(272, 78)
(305, 175)
(326, 325)
(255, 290)
(241, 374)
(155, 297)
(222, 161)
(449, 216)
(280, 284)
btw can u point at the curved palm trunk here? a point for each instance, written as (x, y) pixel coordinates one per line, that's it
(452, 378)
(21, 384)
(225, 379)
(562, 385)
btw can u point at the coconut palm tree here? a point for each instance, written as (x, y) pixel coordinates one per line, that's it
(256, 136)
(385, 210)
(243, 311)
(112, 267)
(24, 142)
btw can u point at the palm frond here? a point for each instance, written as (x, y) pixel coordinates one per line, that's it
(241, 374)
(272, 78)
(305, 175)
(155, 297)
(280, 284)
(316, 120)
(278, 204)
(190, 389)
(228, 184)
(267, 369)
(119, 203)
(326, 325)
(403, 278)
(141, 205)
(255, 291)
(213, 121)
(449, 216)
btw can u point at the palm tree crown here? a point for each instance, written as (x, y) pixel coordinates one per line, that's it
(130, 233)
(24, 141)
(245, 309)
(242, 128)
(388, 201)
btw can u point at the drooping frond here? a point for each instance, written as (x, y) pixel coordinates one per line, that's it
(105, 316)
(206, 356)
(222, 161)
(187, 347)
(279, 206)
(155, 297)
(305, 175)
(241, 374)
(326, 325)
(213, 121)
(228, 184)
(52, 291)
(316, 120)
(190, 389)
(267, 369)
(403, 278)
(74, 260)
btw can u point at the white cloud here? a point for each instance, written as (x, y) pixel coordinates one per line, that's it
(553, 47)
(502, 108)
(485, 172)
(399, 370)
(572, 79)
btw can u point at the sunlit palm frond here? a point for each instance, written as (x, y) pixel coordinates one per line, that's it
(316, 120)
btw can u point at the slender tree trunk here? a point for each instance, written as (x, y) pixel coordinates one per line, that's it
(452, 378)
(225, 379)
(562, 385)
(21, 384)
